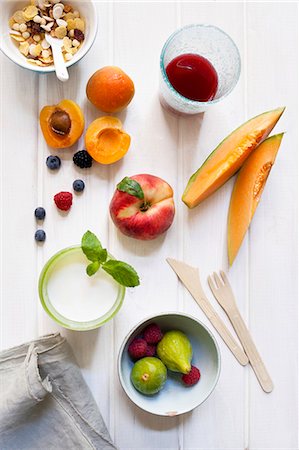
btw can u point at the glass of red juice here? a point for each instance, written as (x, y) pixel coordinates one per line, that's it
(199, 65)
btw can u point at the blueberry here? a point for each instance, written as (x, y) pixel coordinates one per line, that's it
(40, 236)
(53, 162)
(78, 185)
(40, 213)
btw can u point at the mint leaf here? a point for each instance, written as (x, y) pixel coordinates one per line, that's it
(92, 268)
(122, 272)
(92, 247)
(131, 186)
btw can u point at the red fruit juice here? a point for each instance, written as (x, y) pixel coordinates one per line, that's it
(193, 76)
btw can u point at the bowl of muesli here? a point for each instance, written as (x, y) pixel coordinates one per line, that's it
(24, 25)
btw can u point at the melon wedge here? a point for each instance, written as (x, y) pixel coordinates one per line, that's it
(247, 192)
(229, 156)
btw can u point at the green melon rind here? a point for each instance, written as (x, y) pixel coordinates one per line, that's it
(193, 177)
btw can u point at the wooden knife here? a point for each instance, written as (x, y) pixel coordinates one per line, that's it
(189, 276)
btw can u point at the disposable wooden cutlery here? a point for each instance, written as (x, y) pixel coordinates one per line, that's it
(223, 293)
(189, 276)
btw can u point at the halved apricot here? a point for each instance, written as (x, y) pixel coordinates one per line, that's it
(106, 141)
(62, 124)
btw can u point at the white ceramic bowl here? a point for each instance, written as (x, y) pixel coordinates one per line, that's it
(87, 10)
(175, 398)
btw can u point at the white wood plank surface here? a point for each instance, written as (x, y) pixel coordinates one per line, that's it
(238, 415)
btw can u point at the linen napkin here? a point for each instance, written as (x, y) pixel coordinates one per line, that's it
(45, 402)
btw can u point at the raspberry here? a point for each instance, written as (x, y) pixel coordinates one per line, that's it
(63, 200)
(82, 159)
(192, 377)
(150, 350)
(137, 348)
(152, 333)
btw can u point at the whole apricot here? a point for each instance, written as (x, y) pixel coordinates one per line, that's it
(110, 89)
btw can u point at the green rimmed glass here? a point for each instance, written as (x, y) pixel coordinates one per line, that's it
(44, 278)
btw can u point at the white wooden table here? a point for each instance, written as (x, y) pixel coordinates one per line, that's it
(238, 415)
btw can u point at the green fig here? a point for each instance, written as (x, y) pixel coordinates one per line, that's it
(149, 375)
(175, 351)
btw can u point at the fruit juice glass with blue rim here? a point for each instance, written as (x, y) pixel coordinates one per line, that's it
(217, 48)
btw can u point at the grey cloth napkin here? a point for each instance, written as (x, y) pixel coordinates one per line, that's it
(45, 402)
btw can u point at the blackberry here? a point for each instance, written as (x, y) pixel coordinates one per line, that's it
(40, 213)
(40, 236)
(78, 185)
(53, 162)
(82, 159)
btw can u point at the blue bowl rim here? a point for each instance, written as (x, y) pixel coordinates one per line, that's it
(153, 317)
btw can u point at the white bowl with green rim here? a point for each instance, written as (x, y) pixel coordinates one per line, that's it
(74, 300)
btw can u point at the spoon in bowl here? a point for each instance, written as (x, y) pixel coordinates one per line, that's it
(59, 63)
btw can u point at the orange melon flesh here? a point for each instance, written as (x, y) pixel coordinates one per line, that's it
(229, 156)
(247, 192)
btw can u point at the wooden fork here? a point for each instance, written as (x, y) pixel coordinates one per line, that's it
(223, 293)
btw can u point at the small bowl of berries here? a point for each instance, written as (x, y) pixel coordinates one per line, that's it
(169, 364)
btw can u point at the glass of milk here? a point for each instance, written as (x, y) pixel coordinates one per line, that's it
(72, 298)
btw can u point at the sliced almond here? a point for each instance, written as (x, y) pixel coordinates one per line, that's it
(45, 44)
(47, 27)
(37, 19)
(58, 11)
(60, 5)
(48, 19)
(61, 23)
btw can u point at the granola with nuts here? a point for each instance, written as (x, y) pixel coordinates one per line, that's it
(29, 26)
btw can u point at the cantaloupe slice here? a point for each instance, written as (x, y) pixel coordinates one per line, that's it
(247, 192)
(229, 156)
